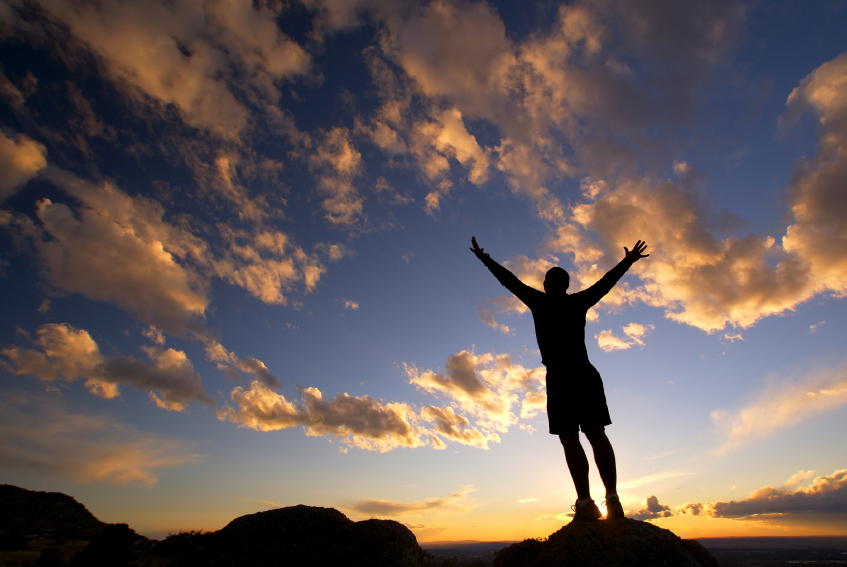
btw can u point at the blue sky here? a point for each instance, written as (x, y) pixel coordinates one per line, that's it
(236, 270)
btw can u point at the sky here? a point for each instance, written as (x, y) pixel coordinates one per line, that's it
(235, 268)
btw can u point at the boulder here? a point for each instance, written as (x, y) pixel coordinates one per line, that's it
(303, 536)
(607, 543)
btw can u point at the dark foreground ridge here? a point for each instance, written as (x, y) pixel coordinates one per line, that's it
(50, 528)
(43, 515)
(612, 543)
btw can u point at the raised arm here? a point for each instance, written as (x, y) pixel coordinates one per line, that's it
(596, 292)
(508, 279)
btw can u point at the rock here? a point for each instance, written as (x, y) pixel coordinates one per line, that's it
(377, 542)
(607, 543)
(304, 536)
(46, 515)
(113, 547)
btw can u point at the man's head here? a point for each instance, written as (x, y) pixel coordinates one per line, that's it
(556, 281)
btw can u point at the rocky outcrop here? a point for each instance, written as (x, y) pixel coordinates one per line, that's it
(299, 535)
(27, 514)
(607, 543)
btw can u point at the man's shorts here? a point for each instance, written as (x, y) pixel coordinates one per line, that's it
(575, 399)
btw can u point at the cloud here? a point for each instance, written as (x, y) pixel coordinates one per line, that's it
(334, 252)
(635, 483)
(635, 332)
(711, 282)
(826, 494)
(532, 403)
(266, 263)
(338, 163)
(385, 192)
(699, 279)
(434, 142)
(799, 477)
(388, 508)
(155, 335)
(221, 180)
(558, 100)
(609, 342)
(350, 304)
(815, 194)
(118, 249)
(20, 160)
(527, 500)
(485, 386)
(206, 59)
(168, 373)
(361, 422)
(370, 424)
(652, 510)
(663, 454)
(565, 105)
(68, 354)
(39, 436)
(455, 427)
(228, 362)
(485, 315)
(782, 405)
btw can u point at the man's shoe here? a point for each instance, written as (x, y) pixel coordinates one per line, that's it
(614, 510)
(587, 513)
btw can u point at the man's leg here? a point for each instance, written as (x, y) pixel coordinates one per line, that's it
(604, 456)
(577, 463)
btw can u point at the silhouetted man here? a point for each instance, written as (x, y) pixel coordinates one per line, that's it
(575, 396)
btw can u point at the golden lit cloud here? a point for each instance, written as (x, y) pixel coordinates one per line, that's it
(386, 508)
(361, 422)
(228, 363)
(485, 315)
(266, 263)
(67, 354)
(185, 54)
(826, 494)
(652, 510)
(455, 427)
(118, 249)
(634, 332)
(338, 163)
(20, 159)
(485, 386)
(816, 193)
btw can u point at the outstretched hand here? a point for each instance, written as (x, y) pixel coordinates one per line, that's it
(476, 249)
(636, 252)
